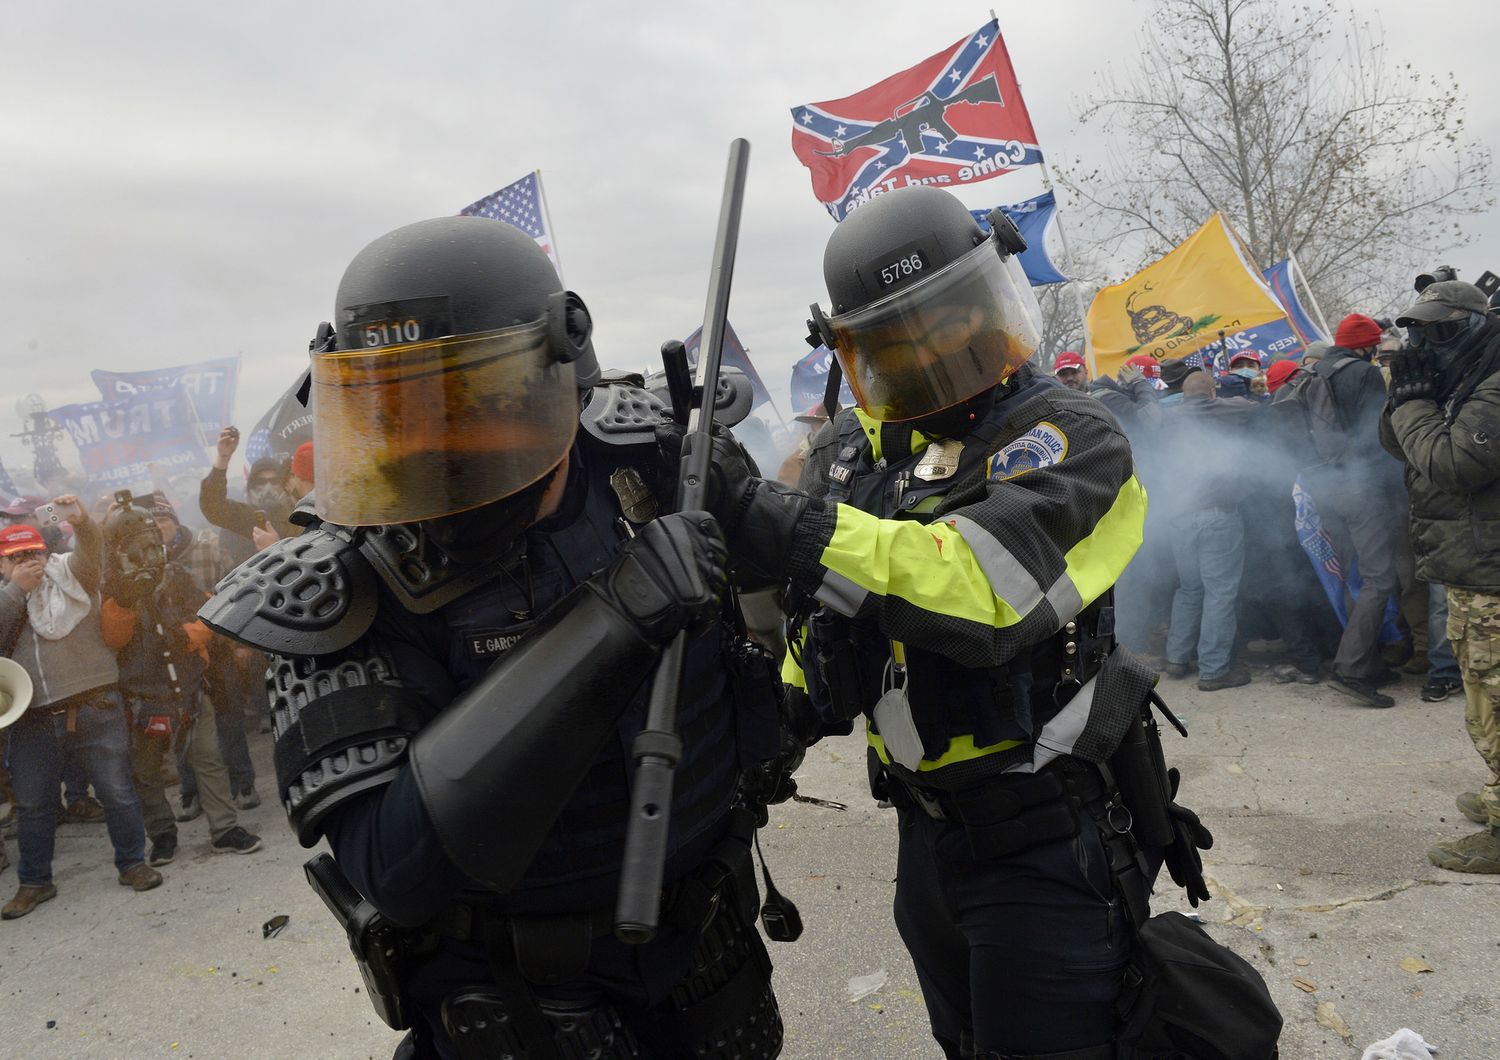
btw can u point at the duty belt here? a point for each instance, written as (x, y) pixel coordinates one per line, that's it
(1012, 811)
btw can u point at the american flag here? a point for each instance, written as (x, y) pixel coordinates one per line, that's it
(519, 205)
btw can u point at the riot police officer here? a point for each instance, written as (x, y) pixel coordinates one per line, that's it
(463, 639)
(955, 542)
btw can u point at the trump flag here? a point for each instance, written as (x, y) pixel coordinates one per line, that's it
(1182, 303)
(1279, 276)
(955, 118)
(1032, 218)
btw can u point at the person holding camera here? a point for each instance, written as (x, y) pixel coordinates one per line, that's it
(1443, 420)
(49, 623)
(149, 615)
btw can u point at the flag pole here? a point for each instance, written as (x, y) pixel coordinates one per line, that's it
(1311, 294)
(1062, 234)
(551, 231)
(1073, 281)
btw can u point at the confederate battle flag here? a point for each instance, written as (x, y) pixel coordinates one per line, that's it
(952, 119)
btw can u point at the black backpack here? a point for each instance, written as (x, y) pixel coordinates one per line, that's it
(1308, 402)
(1188, 998)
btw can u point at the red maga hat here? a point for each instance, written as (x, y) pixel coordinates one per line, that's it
(21, 538)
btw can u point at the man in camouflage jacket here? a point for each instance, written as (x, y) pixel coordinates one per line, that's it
(1443, 420)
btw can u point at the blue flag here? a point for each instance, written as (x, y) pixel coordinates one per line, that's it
(209, 386)
(1032, 217)
(732, 354)
(1340, 586)
(810, 380)
(119, 441)
(1279, 277)
(7, 487)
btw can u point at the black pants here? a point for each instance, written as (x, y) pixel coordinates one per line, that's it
(1022, 954)
(1366, 528)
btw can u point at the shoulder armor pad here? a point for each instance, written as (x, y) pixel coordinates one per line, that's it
(421, 574)
(305, 595)
(623, 414)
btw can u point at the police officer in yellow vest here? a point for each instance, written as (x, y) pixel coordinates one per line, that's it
(953, 545)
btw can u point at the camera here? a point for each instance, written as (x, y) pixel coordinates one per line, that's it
(47, 515)
(124, 498)
(1438, 275)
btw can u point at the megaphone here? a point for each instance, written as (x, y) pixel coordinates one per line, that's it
(15, 691)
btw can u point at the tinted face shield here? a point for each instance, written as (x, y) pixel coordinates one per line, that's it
(941, 340)
(418, 431)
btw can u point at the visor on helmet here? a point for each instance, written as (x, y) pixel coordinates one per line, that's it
(941, 340)
(427, 429)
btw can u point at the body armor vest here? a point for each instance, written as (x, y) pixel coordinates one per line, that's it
(587, 840)
(994, 705)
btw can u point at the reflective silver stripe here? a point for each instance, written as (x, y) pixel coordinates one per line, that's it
(1065, 599)
(1059, 735)
(1008, 579)
(841, 594)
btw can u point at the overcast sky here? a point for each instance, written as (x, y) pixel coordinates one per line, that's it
(181, 180)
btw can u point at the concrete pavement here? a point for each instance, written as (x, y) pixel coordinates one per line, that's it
(1322, 811)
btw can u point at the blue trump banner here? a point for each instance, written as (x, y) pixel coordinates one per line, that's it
(1032, 217)
(209, 386)
(125, 443)
(810, 380)
(1279, 277)
(732, 354)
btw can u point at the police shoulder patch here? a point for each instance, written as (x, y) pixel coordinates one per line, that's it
(1041, 446)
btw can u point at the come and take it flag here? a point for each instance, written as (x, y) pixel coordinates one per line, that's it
(1032, 217)
(732, 354)
(954, 118)
(520, 205)
(209, 385)
(1178, 305)
(119, 441)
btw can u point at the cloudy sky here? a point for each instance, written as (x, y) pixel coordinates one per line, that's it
(184, 180)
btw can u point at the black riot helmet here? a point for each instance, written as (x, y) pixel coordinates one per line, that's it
(928, 311)
(451, 376)
(136, 555)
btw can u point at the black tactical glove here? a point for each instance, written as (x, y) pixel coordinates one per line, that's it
(760, 518)
(670, 575)
(731, 468)
(1414, 376)
(1189, 836)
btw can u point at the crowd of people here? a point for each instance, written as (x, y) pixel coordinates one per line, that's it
(1274, 536)
(1333, 517)
(130, 695)
(1336, 516)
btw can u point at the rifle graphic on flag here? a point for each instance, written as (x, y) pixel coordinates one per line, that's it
(521, 205)
(954, 118)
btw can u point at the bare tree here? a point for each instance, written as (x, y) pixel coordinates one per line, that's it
(1300, 127)
(1062, 327)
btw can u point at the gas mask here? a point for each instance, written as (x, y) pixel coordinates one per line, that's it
(138, 559)
(1445, 338)
(269, 497)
